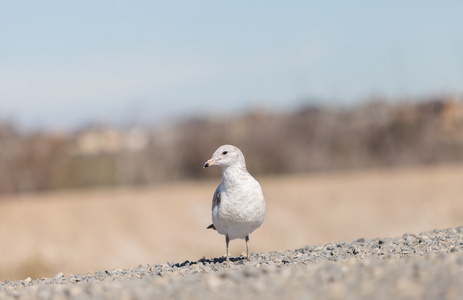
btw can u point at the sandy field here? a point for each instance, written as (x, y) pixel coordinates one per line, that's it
(93, 230)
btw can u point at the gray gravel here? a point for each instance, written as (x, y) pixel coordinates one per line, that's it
(424, 266)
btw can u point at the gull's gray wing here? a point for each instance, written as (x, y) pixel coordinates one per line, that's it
(215, 202)
(216, 197)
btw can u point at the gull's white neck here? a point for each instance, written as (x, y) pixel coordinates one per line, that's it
(234, 174)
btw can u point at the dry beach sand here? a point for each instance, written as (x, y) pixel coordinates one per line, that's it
(105, 229)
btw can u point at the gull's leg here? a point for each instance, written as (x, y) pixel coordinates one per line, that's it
(247, 248)
(227, 240)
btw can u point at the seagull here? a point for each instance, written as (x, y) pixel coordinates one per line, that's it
(238, 204)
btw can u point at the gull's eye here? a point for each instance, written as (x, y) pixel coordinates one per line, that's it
(225, 152)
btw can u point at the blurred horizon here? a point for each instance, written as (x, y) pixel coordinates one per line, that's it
(65, 65)
(377, 134)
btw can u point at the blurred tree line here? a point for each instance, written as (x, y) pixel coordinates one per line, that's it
(310, 139)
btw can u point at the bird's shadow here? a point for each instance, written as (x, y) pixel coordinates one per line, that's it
(218, 260)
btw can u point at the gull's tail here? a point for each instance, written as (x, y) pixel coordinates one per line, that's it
(211, 227)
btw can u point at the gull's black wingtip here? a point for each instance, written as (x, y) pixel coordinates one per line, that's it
(211, 227)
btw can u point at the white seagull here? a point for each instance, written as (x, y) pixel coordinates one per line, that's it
(238, 205)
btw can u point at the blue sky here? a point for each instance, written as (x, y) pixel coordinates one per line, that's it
(64, 63)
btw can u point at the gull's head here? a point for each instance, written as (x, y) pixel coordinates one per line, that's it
(226, 156)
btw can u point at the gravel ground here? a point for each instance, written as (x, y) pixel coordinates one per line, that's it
(424, 266)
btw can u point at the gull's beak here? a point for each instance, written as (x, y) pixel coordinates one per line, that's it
(208, 163)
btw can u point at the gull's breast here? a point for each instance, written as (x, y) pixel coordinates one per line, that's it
(241, 211)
